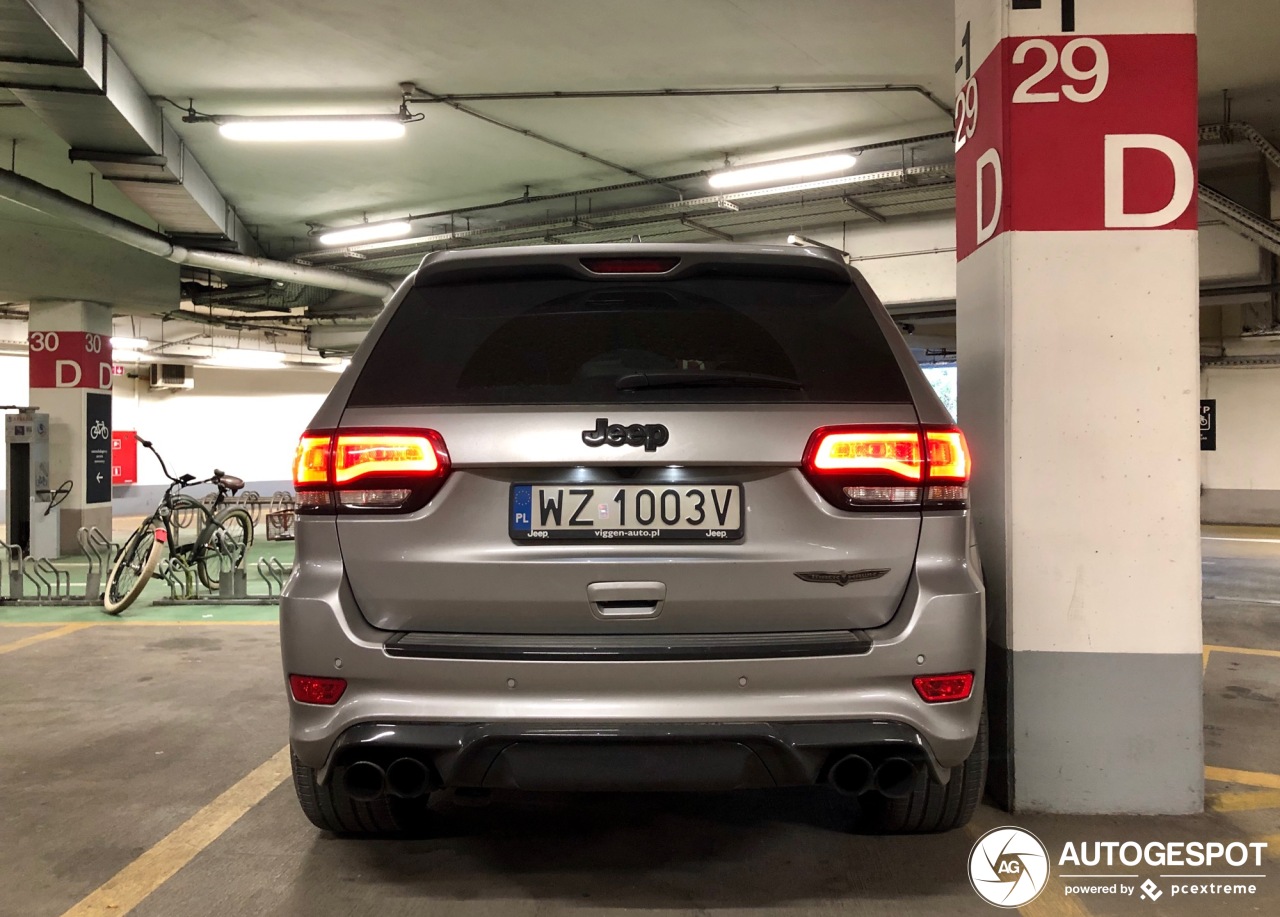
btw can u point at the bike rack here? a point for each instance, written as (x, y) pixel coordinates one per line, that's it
(11, 558)
(49, 583)
(102, 555)
(39, 581)
(180, 576)
(273, 573)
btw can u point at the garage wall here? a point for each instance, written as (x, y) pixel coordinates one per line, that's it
(244, 422)
(1240, 482)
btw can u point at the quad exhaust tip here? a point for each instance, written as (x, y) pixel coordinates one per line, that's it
(851, 775)
(895, 778)
(407, 778)
(854, 775)
(364, 781)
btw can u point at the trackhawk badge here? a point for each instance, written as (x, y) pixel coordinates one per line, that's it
(843, 578)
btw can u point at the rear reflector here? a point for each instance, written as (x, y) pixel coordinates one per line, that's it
(938, 689)
(316, 689)
(629, 265)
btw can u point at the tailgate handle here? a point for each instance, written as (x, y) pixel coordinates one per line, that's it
(626, 600)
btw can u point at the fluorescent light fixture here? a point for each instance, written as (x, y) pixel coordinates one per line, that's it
(339, 366)
(248, 359)
(312, 130)
(122, 355)
(129, 343)
(365, 232)
(782, 171)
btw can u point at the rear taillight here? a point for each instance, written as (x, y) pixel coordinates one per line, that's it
(368, 470)
(316, 689)
(889, 467)
(939, 689)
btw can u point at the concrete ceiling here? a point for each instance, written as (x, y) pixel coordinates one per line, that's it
(326, 56)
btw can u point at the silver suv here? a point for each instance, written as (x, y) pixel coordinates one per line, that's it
(634, 517)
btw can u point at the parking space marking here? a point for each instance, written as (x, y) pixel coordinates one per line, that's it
(1245, 778)
(1251, 801)
(1251, 540)
(130, 886)
(1273, 845)
(1241, 651)
(54, 634)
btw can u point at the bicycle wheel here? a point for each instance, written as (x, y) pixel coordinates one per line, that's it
(133, 568)
(235, 533)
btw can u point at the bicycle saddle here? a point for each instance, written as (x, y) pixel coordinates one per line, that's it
(229, 481)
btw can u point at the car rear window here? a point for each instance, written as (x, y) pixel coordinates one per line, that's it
(569, 341)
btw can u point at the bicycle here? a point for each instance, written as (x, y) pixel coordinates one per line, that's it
(222, 533)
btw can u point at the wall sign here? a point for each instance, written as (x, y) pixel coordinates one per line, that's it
(97, 439)
(69, 359)
(124, 457)
(1208, 425)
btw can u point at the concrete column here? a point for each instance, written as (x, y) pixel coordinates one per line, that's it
(1078, 387)
(70, 375)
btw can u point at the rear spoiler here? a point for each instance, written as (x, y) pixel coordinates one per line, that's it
(770, 262)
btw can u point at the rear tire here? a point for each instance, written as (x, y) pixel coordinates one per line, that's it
(139, 558)
(328, 807)
(932, 808)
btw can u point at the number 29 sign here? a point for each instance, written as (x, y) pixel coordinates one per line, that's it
(1075, 132)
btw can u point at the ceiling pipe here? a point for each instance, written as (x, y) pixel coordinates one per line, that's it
(38, 197)
(1243, 221)
(418, 93)
(453, 98)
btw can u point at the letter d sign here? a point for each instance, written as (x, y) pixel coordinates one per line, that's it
(66, 374)
(1184, 186)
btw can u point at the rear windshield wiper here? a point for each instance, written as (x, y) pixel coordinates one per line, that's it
(691, 378)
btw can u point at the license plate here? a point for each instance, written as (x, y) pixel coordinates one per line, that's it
(628, 512)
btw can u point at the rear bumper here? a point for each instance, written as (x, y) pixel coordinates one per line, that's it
(628, 756)
(767, 705)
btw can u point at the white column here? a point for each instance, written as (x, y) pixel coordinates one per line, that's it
(70, 375)
(1078, 353)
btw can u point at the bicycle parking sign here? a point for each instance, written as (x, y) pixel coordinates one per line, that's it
(97, 466)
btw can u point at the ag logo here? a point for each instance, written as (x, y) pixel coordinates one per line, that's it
(1008, 867)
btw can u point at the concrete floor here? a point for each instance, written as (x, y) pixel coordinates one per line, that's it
(117, 733)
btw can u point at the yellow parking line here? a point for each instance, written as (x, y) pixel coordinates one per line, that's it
(1247, 778)
(126, 889)
(1205, 666)
(45, 635)
(1273, 845)
(1250, 801)
(1241, 650)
